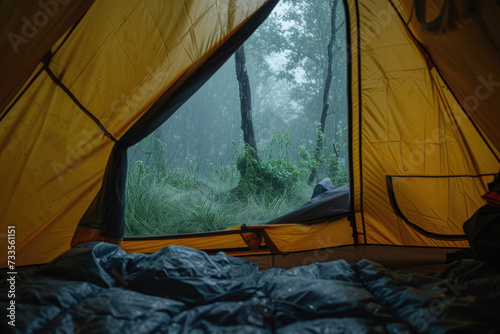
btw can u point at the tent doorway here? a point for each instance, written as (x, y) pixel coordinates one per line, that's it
(196, 173)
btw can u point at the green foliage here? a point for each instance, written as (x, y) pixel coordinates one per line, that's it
(271, 177)
(276, 175)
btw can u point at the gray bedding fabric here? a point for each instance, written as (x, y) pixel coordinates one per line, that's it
(98, 288)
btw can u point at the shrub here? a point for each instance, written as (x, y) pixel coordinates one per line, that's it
(272, 177)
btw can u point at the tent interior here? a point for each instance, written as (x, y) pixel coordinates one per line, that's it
(84, 83)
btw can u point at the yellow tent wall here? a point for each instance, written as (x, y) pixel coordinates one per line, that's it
(408, 127)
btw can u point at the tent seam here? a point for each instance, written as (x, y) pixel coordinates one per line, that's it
(78, 103)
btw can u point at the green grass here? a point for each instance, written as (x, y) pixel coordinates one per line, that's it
(162, 199)
(178, 201)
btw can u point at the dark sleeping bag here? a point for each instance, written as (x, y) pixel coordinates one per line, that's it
(99, 288)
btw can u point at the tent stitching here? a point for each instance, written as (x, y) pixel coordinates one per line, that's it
(78, 103)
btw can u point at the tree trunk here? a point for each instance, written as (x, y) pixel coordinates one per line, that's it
(326, 92)
(245, 101)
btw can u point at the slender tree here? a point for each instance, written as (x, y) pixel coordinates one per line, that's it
(326, 91)
(245, 102)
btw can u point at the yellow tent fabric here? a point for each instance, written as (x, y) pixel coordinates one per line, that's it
(423, 95)
(408, 124)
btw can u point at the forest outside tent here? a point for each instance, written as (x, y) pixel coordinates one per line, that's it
(197, 174)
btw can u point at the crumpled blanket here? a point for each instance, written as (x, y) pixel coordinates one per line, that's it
(99, 288)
